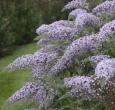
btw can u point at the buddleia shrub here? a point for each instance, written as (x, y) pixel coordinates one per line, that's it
(75, 67)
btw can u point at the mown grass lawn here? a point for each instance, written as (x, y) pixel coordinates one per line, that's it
(12, 81)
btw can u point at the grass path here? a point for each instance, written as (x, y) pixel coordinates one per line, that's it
(12, 81)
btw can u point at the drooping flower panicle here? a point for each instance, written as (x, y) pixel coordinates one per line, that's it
(78, 48)
(106, 8)
(74, 4)
(80, 86)
(108, 30)
(59, 30)
(26, 91)
(106, 69)
(40, 62)
(33, 91)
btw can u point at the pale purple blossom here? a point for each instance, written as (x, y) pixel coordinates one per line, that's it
(41, 68)
(47, 27)
(65, 23)
(79, 48)
(73, 14)
(80, 86)
(40, 62)
(62, 33)
(32, 91)
(45, 97)
(42, 29)
(108, 30)
(83, 19)
(87, 19)
(74, 4)
(26, 61)
(106, 8)
(26, 91)
(100, 86)
(92, 88)
(96, 59)
(59, 30)
(106, 69)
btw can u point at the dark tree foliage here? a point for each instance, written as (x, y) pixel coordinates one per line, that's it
(20, 18)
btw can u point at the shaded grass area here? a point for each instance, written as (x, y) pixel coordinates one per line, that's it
(12, 81)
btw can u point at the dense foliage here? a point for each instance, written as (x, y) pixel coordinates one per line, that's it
(19, 19)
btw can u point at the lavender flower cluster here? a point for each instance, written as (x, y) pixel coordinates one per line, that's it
(59, 30)
(83, 46)
(106, 8)
(96, 59)
(80, 86)
(40, 62)
(83, 19)
(74, 4)
(100, 86)
(35, 92)
(60, 48)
